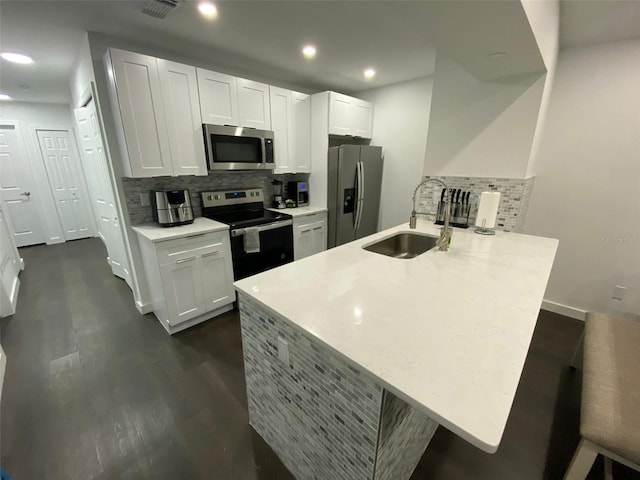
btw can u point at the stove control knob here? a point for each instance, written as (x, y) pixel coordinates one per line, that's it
(217, 197)
(210, 197)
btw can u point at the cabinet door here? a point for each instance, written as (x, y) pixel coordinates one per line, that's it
(301, 133)
(362, 118)
(319, 231)
(340, 122)
(281, 124)
(182, 109)
(253, 99)
(181, 282)
(139, 97)
(303, 242)
(218, 98)
(217, 278)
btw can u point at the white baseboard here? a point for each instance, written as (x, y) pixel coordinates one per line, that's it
(565, 310)
(144, 308)
(54, 240)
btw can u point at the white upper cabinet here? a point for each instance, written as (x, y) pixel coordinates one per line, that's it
(182, 109)
(281, 124)
(254, 105)
(301, 131)
(340, 114)
(218, 98)
(137, 99)
(362, 118)
(291, 125)
(227, 100)
(350, 116)
(157, 105)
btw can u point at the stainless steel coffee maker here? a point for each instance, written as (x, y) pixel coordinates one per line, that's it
(171, 207)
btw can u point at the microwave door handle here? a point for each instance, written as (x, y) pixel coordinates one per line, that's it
(264, 152)
(208, 147)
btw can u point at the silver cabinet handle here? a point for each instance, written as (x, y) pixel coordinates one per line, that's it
(317, 228)
(182, 260)
(209, 254)
(196, 235)
(26, 194)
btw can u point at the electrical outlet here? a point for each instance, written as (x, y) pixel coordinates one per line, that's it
(618, 292)
(283, 351)
(144, 200)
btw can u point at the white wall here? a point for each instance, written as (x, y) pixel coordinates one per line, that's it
(481, 129)
(588, 178)
(544, 18)
(401, 116)
(82, 73)
(42, 116)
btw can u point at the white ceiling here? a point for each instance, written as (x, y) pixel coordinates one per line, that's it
(589, 22)
(396, 38)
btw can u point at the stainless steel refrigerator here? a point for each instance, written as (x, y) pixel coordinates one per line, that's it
(353, 197)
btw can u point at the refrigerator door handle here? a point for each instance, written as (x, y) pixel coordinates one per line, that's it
(360, 170)
(356, 210)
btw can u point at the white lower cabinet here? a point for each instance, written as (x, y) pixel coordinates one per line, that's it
(182, 289)
(309, 235)
(190, 278)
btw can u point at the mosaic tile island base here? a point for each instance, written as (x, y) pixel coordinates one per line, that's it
(324, 418)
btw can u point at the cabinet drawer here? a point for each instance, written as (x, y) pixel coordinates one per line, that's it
(309, 219)
(183, 249)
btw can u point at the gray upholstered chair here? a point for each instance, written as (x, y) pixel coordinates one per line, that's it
(610, 410)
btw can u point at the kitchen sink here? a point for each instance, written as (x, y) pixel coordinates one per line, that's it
(403, 245)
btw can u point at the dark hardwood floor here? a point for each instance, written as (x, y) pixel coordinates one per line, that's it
(93, 390)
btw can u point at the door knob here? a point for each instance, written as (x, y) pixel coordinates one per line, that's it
(26, 194)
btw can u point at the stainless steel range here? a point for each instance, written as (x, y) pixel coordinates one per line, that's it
(260, 239)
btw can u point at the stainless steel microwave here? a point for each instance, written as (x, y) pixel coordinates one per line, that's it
(238, 148)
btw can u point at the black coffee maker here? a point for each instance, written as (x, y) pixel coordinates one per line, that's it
(299, 193)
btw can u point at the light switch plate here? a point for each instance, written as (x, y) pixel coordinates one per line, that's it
(144, 200)
(283, 351)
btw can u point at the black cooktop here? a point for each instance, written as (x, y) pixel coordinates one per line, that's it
(243, 216)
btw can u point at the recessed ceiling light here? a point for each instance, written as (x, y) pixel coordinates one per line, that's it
(369, 73)
(309, 51)
(16, 58)
(4, 96)
(208, 9)
(495, 55)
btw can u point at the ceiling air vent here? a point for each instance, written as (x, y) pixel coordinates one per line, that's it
(160, 8)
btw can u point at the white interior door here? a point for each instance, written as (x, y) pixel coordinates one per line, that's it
(102, 192)
(67, 183)
(17, 189)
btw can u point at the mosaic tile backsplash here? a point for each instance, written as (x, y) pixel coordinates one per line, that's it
(324, 418)
(514, 198)
(224, 180)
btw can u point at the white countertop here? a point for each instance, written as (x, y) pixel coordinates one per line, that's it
(446, 331)
(299, 211)
(156, 233)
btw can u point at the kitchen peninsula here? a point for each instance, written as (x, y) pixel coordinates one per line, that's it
(353, 358)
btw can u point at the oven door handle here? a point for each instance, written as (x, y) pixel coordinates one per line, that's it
(263, 228)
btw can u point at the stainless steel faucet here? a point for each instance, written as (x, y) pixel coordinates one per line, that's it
(446, 231)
